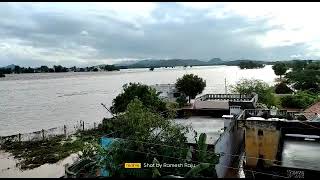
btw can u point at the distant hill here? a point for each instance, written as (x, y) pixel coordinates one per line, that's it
(155, 63)
(215, 61)
(126, 63)
(11, 66)
(167, 63)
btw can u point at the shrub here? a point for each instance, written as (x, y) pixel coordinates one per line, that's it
(282, 88)
(300, 100)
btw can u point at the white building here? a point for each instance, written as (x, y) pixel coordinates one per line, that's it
(167, 91)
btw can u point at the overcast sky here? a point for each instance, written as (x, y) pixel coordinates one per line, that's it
(34, 34)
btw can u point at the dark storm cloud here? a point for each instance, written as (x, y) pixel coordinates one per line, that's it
(33, 36)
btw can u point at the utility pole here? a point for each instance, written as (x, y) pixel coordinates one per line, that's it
(225, 85)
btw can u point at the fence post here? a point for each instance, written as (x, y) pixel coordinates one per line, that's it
(43, 134)
(19, 137)
(83, 125)
(65, 130)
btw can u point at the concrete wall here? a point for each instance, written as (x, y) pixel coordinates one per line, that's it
(262, 144)
(230, 142)
(217, 104)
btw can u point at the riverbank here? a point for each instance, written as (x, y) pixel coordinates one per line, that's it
(33, 154)
(8, 168)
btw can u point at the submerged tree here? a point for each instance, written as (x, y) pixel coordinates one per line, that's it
(280, 69)
(191, 85)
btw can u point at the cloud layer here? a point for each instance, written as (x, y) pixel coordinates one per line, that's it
(34, 34)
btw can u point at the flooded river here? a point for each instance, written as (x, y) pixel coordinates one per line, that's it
(31, 102)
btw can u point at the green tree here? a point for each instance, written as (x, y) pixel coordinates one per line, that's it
(44, 69)
(280, 69)
(110, 68)
(191, 85)
(249, 86)
(59, 68)
(17, 69)
(147, 95)
(300, 100)
(307, 79)
(250, 65)
(298, 65)
(148, 132)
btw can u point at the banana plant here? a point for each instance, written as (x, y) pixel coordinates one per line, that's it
(155, 171)
(196, 170)
(202, 147)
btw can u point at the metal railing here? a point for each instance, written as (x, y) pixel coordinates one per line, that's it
(230, 97)
(281, 113)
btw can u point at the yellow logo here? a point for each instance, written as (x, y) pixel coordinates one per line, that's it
(132, 165)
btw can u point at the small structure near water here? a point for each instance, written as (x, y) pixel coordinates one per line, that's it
(167, 92)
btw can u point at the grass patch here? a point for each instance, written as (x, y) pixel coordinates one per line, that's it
(32, 154)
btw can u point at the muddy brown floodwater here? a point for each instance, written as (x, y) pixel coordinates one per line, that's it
(8, 168)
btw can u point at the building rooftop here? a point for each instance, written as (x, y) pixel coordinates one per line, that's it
(312, 111)
(301, 154)
(213, 127)
(224, 101)
(269, 114)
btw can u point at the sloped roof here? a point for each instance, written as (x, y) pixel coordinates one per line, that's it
(312, 110)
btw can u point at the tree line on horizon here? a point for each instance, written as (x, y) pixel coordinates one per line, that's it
(55, 69)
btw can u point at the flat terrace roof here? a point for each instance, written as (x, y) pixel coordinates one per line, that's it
(301, 154)
(202, 124)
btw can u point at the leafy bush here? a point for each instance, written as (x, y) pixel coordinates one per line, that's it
(249, 86)
(300, 100)
(182, 100)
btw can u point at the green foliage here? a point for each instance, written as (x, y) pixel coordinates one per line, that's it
(155, 171)
(182, 100)
(307, 79)
(313, 65)
(32, 154)
(196, 170)
(59, 68)
(202, 153)
(280, 69)
(146, 129)
(207, 161)
(191, 85)
(147, 95)
(250, 65)
(300, 100)
(110, 68)
(249, 86)
(298, 65)
(44, 69)
(282, 88)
